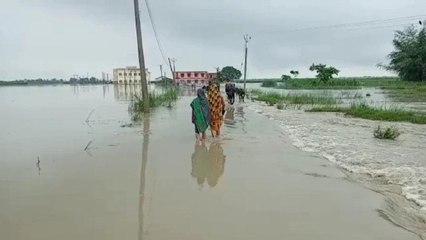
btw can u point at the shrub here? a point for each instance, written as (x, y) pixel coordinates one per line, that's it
(386, 133)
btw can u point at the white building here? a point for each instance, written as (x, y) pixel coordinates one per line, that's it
(129, 75)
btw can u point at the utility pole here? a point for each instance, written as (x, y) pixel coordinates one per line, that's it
(171, 70)
(247, 38)
(161, 72)
(423, 25)
(174, 65)
(145, 96)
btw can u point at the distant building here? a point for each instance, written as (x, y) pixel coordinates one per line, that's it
(194, 77)
(129, 75)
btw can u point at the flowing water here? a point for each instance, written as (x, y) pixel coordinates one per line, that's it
(65, 158)
(393, 168)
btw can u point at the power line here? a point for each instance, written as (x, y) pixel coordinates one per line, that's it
(157, 38)
(363, 23)
(372, 27)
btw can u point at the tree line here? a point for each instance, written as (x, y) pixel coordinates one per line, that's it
(40, 81)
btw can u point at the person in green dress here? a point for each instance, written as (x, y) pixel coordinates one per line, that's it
(200, 115)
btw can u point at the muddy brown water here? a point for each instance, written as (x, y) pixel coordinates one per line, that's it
(69, 170)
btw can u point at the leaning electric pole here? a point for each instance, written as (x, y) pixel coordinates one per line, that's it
(144, 84)
(161, 72)
(247, 38)
(171, 70)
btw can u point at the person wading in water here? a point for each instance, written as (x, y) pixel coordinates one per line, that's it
(217, 109)
(200, 115)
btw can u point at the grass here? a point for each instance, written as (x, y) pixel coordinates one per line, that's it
(155, 100)
(399, 90)
(269, 83)
(408, 92)
(272, 98)
(362, 110)
(386, 133)
(312, 83)
(344, 83)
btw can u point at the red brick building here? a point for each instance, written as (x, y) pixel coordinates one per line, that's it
(194, 77)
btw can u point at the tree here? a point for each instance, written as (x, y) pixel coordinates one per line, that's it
(324, 73)
(294, 73)
(229, 73)
(285, 77)
(409, 57)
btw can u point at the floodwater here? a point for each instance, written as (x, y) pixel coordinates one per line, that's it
(70, 170)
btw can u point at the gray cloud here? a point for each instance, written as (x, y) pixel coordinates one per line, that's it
(49, 38)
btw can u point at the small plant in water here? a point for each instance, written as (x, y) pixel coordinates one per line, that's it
(280, 106)
(386, 133)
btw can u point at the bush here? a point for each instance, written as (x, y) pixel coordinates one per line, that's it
(280, 106)
(386, 133)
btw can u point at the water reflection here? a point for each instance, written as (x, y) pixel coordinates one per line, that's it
(127, 92)
(187, 91)
(240, 115)
(38, 166)
(230, 116)
(145, 145)
(208, 164)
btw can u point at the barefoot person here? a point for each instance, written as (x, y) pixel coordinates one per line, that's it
(200, 114)
(217, 109)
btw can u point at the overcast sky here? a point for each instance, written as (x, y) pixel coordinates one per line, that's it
(60, 38)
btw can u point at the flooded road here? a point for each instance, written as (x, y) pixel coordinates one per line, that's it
(68, 170)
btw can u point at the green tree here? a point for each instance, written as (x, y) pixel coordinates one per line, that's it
(285, 77)
(229, 73)
(294, 73)
(409, 57)
(324, 73)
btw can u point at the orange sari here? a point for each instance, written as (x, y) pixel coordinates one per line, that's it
(217, 107)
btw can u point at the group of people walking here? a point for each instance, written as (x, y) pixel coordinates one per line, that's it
(208, 111)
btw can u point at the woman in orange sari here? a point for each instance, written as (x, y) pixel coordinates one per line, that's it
(217, 109)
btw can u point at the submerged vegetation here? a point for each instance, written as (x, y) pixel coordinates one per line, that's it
(404, 91)
(155, 100)
(386, 133)
(272, 98)
(328, 103)
(408, 92)
(362, 110)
